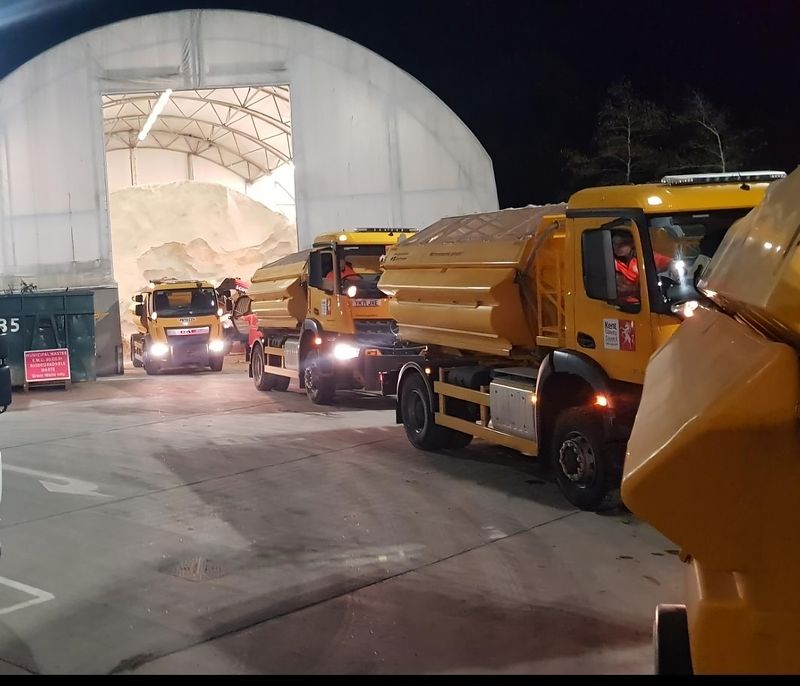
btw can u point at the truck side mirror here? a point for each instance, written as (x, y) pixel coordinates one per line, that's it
(599, 276)
(138, 298)
(139, 310)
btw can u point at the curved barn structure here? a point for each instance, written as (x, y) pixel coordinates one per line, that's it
(237, 94)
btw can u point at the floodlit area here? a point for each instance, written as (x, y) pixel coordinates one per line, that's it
(282, 389)
(201, 185)
(189, 524)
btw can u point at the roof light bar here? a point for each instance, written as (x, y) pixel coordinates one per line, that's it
(384, 230)
(729, 177)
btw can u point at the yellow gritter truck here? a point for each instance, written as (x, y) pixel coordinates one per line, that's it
(714, 458)
(179, 326)
(538, 323)
(321, 319)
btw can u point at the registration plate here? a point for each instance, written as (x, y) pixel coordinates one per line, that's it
(366, 302)
(187, 332)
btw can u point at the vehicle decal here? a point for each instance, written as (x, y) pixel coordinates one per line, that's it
(619, 334)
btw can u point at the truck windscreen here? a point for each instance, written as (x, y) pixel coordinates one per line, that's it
(185, 302)
(361, 267)
(683, 245)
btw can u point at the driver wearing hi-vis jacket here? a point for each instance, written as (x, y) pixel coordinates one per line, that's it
(626, 265)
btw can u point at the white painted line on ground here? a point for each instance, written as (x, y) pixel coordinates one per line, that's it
(39, 596)
(71, 486)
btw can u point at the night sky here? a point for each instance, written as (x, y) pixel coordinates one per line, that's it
(527, 77)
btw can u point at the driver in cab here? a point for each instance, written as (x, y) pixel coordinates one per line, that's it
(345, 272)
(626, 266)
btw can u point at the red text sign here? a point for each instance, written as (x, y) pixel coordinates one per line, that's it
(47, 365)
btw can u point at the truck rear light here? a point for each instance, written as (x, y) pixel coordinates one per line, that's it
(601, 400)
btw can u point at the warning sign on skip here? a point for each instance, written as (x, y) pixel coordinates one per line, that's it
(619, 334)
(47, 365)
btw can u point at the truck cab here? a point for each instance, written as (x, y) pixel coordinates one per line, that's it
(318, 316)
(179, 325)
(633, 303)
(343, 292)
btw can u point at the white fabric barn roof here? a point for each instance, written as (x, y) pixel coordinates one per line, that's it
(245, 130)
(371, 146)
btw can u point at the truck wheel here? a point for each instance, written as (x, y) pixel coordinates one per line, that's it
(671, 649)
(458, 439)
(419, 422)
(136, 363)
(151, 367)
(281, 382)
(261, 380)
(216, 364)
(319, 389)
(583, 462)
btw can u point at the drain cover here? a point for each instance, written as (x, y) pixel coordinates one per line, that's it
(197, 569)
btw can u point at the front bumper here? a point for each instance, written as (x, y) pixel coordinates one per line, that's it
(187, 352)
(380, 372)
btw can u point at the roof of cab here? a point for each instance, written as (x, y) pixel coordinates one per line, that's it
(659, 198)
(176, 285)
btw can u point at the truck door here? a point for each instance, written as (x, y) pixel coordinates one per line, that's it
(323, 284)
(612, 312)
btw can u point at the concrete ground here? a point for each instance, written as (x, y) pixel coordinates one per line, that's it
(188, 524)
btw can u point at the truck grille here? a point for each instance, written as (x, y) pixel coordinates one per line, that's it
(382, 326)
(376, 332)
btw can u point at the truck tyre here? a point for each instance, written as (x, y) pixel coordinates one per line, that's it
(583, 462)
(671, 650)
(419, 422)
(136, 363)
(281, 382)
(458, 439)
(152, 368)
(215, 363)
(319, 389)
(261, 380)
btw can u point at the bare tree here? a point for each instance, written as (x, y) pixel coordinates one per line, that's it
(624, 149)
(706, 141)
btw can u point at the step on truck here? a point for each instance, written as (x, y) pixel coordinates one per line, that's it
(538, 323)
(713, 461)
(317, 316)
(179, 325)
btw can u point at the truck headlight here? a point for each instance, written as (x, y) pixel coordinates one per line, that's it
(345, 351)
(158, 349)
(216, 346)
(352, 291)
(685, 310)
